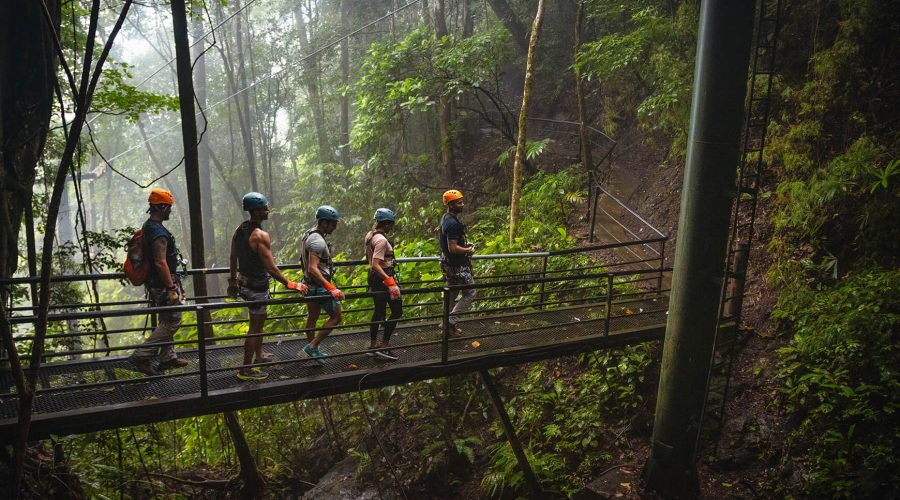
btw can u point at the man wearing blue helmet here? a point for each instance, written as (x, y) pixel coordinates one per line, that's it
(380, 256)
(315, 258)
(251, 254)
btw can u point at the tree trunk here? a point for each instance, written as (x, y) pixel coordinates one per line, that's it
(506, 15)
(82, 100)
(310, 70)
(523, 122)
(250, 475)
(191, 161)
(587, 161)
(209, 235)
(468, 18)
(27, 73)
(440, 30)
(345, 82)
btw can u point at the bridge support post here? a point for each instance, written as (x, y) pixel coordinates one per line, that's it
(543, 275)
(511, 435)
(720, 86)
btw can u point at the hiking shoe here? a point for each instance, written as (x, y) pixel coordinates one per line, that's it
(387, 354)
(252, 374)
(172, 364)
(315, 353)
(455, 331)
(143, 365)
(265, 358)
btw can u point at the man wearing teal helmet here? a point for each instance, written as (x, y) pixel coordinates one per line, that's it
(315, 258)
(251, 254)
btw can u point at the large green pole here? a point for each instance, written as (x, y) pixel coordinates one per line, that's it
(720, 86)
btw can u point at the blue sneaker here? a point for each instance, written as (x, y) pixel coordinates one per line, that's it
(315, 354)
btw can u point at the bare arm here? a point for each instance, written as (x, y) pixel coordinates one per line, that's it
(233, 259)
(263, 243)
(455, 247)
(160, 247)
(314, 270)
(378, 267)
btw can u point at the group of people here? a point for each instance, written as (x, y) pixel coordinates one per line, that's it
(252, 267)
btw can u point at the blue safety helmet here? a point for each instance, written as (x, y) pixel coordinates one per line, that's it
(254, 200)
(385, 215)
(327, 212)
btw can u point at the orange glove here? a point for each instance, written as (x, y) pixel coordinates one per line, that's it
(335, 293)
(301, 288)
(393, 289)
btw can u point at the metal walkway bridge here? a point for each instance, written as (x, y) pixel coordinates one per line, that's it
(531, 306)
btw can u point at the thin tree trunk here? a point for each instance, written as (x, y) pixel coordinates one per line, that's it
(506, 15)
(82, 101)
(345, 81)
(587, 161)
(310, 70)
(191, 161)
(523, 122)
(468, 18)
(250, 475)
(440, 30)
(206, 198)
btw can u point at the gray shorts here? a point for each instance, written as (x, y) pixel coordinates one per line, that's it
(248, 295)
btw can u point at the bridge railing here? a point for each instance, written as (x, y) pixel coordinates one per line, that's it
(603, 297)
(549, 281)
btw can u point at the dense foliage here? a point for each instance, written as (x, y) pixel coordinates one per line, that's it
(836, 251)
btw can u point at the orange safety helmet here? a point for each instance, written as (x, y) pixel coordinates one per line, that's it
(160, 197)
(452, 195)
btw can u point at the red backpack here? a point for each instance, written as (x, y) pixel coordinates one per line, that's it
(136, 266)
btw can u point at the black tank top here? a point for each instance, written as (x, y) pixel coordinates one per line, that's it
(248, 260)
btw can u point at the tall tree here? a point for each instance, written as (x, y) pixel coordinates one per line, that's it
(440, 31)
(310, 79)
(523, 122)
(200, 80)
(506, 15)
(345, 82)
(27, 73)
(587, 161)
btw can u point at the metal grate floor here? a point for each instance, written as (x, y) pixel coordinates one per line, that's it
(73, 385)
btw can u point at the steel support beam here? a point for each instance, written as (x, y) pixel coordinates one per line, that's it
(720, 86)
(533, 487)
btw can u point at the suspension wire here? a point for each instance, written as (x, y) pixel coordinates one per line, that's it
(262, 79)
(199, 39)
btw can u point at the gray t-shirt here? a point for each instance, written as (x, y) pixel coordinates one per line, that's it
(314, 244)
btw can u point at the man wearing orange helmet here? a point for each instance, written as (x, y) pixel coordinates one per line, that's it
(163, 288)
(456, 254)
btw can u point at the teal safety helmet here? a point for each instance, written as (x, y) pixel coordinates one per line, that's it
(385, 215)
(327, 212)
(254, 200)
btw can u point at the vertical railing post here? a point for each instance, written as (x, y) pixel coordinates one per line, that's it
(662, 265)
(445, 324)
(593, 210)
(201, 350)
(609, 294)
(543, 276)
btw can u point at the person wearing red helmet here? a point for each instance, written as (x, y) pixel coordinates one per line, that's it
(163, 287)
(251, 254)
(456, 256)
